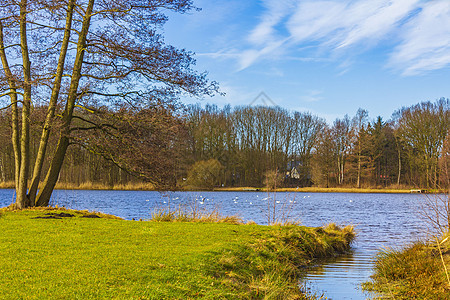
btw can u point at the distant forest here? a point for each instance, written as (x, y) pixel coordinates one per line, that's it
(205, 147)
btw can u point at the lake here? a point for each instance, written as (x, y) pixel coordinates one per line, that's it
(381, 220)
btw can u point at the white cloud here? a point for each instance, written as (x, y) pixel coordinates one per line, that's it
(314, 20)
(248, 57)
(420, 29)
(341, 24)
(264, 36)
(426, 41)
(276, 11)
(220, 54)
(376, 20)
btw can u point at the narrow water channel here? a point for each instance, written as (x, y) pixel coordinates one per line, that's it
(340, 278)
(381, 220)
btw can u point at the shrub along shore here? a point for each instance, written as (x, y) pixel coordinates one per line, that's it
(420, 271)
(66, 254)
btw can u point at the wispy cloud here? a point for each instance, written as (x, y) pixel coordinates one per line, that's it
(375, 21)
(418, 31)
(222, 54)
(312, 96)
(426, 42)
(276, 11)
(248, 57)
(341, 24)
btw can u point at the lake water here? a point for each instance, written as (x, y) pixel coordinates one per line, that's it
(381, 220)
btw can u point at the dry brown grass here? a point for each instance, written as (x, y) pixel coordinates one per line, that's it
(193, 215)
(420, 271)
(389, 190)
(142, 186)
(131, 186)
(238, 189)
(7, 185)
(343, 190)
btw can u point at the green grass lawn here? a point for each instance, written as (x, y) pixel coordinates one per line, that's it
(92, 258)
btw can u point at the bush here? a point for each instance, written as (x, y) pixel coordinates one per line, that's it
(205, 174)
(273, 180)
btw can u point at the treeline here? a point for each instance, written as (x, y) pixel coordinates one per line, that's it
(246, 145)
(410, 149)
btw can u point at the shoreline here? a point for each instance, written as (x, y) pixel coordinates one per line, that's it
(142, 187)
(319, 190)
(150, 187)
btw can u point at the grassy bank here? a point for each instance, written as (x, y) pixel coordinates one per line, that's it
(419, 271)
(46, 254)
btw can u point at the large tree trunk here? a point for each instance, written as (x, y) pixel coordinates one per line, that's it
(45, 193)
(22, 201)
(52, 106)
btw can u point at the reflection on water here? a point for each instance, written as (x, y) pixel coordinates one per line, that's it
(381, 220)
(340, 278)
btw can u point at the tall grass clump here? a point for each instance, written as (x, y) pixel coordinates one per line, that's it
(272, 266)
(183, 214)
(416, 272)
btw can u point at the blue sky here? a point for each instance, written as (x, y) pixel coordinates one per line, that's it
(326, 57)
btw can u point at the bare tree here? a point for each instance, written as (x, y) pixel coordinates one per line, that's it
(341, 131)
(307, 128)
(72, 54)
(359, 123)
(424, 127)
(324, 158)
(436, 207)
